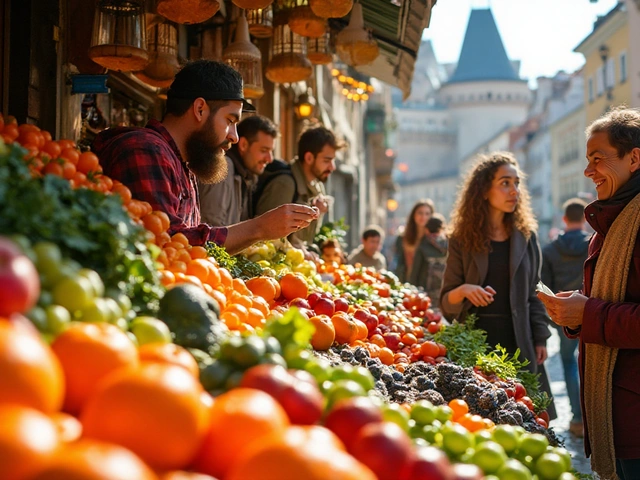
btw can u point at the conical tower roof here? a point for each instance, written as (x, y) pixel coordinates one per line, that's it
(483, 56)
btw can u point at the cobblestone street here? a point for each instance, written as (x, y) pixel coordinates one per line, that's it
(561, 424)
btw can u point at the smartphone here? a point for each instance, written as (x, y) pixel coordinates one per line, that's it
(541, 287)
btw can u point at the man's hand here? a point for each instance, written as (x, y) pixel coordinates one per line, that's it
(477, 295)
(322, 203)
(565, 308)
(541, 354)
(284, 220)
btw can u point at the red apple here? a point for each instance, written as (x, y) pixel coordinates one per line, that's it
(324, 306)
(349, 416)
(383, 447)
(272, 379)
(313, 298)
(372, 324)
(526, 401)
(300, 303)
(360, 314)
(303, 402)
(392, 340)
(520, 391)
(442, 350)
(428, 463)
(511, 392)
(433, 327)
(341, 304)
(19, 279)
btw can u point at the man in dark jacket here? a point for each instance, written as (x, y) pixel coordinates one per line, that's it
(562, 265)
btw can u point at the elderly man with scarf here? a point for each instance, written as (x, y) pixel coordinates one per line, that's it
(605, 315)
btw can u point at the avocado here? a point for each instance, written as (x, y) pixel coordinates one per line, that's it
(192, 317)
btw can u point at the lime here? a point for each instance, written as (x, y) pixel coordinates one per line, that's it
(342, 372)
(482, 436)
(150, 330)
(272, 345)
(38, 317)
(343, 389)
(393, 412)
(250, 352)
(456, 439)
(299, 360)
(567, 476)
(48, 257)
(96, 312)
(114, 309)
(94, 278)
(274, 359)
(122, 324)
(133, 338)
(363, 376)
(423, 412)
(215, 375)
(229, 346)
(320, 369)
(533, 444)
(513, 470)
(444, 413)
(489, 456)
(566, 456)
(73, 293)
(58, 318)
(507, 436)
(549, 466)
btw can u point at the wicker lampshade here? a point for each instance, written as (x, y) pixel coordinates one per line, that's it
(355, 45)
(118, 40)
(260, 22)
(252, 4)
(246, 58)
(302, 20)
(319, 50)
(288, 62)
(331, 8)
(162, 45)
(188, 11)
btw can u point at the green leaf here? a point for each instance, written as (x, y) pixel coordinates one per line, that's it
(291, 329)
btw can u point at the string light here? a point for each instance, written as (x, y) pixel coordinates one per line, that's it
(355, 90)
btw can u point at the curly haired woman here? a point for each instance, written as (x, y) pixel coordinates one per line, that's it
(494, 262)
(407, 243)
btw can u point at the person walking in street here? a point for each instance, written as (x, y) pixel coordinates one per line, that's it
(430, 259)
(604, 314)
(493, 262)
(230, 201)
(161, 162)
(407, 243)
(368, 253)
(302, 182)
(562, 264)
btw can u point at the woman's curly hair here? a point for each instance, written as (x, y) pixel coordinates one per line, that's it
(470, 217)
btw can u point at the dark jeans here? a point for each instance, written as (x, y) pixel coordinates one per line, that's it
(568, 348)
(628, 469)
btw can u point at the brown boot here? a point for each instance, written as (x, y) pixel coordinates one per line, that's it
(576, 428)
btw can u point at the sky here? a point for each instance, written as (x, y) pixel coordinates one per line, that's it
(540, 33)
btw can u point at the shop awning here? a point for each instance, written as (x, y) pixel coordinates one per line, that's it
(397, 25)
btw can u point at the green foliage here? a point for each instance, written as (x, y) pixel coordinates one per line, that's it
(464, 342)
(90, 227)
(291, 329)
(499, 363)
(337, 230)
(239, 266)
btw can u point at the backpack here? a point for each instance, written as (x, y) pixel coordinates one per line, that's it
(273, 170)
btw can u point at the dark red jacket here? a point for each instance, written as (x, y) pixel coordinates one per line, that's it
(615, 325)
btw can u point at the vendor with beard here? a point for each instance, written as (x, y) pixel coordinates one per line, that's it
(162, 162)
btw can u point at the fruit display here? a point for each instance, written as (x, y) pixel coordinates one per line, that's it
(126, 352)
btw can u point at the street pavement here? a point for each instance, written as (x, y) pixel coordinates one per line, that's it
(561, 424)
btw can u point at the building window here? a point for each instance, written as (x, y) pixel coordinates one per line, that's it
(600, 81)
(591, 97)
(611, 73)
(623, 67)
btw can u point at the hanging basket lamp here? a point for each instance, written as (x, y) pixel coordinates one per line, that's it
(246, 58)
(354, 44)
(302, 20)
(319, 50)
(252, 4)
(331, 8)
(289, 62)
(188, 11)
(162, 45)
(118, 40)
(260, 22)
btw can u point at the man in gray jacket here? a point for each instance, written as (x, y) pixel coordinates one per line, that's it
(230, 201)
(562, 264)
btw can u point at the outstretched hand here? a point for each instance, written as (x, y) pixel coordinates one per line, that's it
(477, 295)
(284, 220)
(566, 308)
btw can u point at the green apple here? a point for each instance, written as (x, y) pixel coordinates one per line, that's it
(150, 330)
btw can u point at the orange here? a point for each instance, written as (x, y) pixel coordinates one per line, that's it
(298, 455)
(30, 374)
(459, 408)
(324, 334)
(91, 460)
(28, 441)
(164, 218)
(231, 320)
(180, 238)
(169, 354)
(88, 162)
(240, 287)
(196, 252)
(239, 418)
(225, 277)
(153, 223)
(182, 475)
(386, 356)
(255, 318)
(241, 299)
(69, 427)
(294, 285)
(362, 332)
(262, 305)
(240, 310)
(219, 297)
(199, 267)
(156, 411)
(264, 287)
(88, 353)
(345, 328)
(473, 423)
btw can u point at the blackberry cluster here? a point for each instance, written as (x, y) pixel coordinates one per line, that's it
(452, 379)
(507, 415)
(431, 395)
(423, 383)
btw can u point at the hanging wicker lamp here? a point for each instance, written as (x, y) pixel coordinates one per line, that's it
(162, 45)
(331, 8)
(188, 11)
(288, 62)
(118, 40)
(319, 50)
(355, 45)
(252, 4)
(302, 20)
(246, 58)
(260, 22)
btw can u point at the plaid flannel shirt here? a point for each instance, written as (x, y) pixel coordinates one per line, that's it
(147, 160)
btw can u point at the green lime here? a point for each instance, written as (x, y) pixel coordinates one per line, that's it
(533, 444)
(423, 412)
(114, 309)
(249, 352)
(150, 330)
(320, 369)
(274, 359)
(342, 372)
(58, 318)
(94, 278)
(566, 456)
(393, 412)
(48, 257)
(507, 436)
(215, 375)
(96, 312)
(444, 413)
(300, 360)
(343, 389)
(482, 436)
(513, 470)
(38, 317)
(456, 439)
(363, 376)
(489, 456)
(75, 293)
(549, 466)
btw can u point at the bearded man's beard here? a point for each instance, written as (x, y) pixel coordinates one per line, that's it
(205, 154)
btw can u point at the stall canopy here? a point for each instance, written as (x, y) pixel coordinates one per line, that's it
(397, 27)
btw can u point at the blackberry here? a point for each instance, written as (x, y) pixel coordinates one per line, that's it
(381, 387)
(376, 371)
(361, 354)
(510, 417)
(419, 368)
(397, 376)
(400, 396)
(423, 383)
(501, 397)
(387, 378)
(431, 395)
(452, 379)
(527, 415)
(372, 362)
(346, 355)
